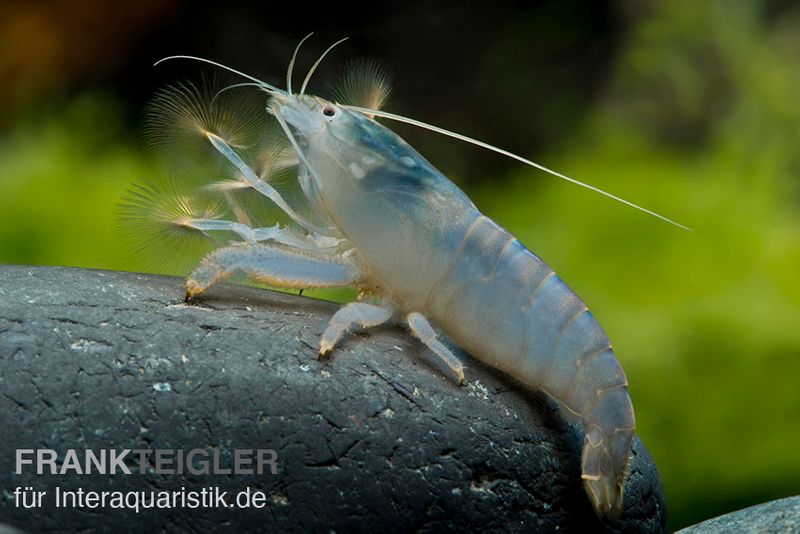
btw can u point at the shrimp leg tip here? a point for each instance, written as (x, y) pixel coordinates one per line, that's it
(440, 356)
(324, 350)
(193, 290)
(348, 316)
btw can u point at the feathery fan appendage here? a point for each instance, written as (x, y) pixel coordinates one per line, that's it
(181, 115)
(274, 155)
(365, 83)
(155, 218)
(275, 159)
(155, 221)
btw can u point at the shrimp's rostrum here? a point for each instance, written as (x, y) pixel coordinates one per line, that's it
(380, 218)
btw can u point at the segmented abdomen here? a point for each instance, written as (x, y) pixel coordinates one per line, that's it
(507, 307)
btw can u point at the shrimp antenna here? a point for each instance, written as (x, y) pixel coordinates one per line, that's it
(261, 83)
(291, 62)
(511, 155)
(316, 64)
(234, 86)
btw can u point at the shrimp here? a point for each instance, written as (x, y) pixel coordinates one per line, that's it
(386, 222)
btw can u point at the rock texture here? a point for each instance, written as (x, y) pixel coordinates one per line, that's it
(372, 439)
(782, 515)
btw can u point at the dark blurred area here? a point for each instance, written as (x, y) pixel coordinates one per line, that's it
(490, 61)
(688, 108)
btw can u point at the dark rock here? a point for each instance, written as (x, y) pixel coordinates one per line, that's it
(782, 515)
(373, 439)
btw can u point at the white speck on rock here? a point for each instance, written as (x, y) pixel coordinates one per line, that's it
(279, 499)
(162, 386)
(82, 345)
(476, 389)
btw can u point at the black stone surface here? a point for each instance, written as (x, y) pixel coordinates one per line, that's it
(371, 440)
(781, 515)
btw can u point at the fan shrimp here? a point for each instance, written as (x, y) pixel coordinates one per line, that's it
(385, 221)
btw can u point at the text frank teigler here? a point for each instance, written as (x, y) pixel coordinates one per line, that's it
(140, 462)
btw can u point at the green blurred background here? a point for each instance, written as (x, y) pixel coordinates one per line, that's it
(689, 108)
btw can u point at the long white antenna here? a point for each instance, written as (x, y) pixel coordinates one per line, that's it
(291, 62)
(511, 155)
(220, 65)
(316, 64)
(234, 86)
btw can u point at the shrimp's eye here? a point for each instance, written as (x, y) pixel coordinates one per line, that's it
(329, 111)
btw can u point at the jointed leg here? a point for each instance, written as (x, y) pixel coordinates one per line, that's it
(353, 314)
(285, 236)
(254, 181)
(272, 265)
(445, 360)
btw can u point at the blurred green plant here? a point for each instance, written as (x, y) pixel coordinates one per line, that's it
(699, 122)
(62, 171)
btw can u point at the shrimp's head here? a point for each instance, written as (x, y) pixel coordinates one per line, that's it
(342, 146)
(307, 115)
